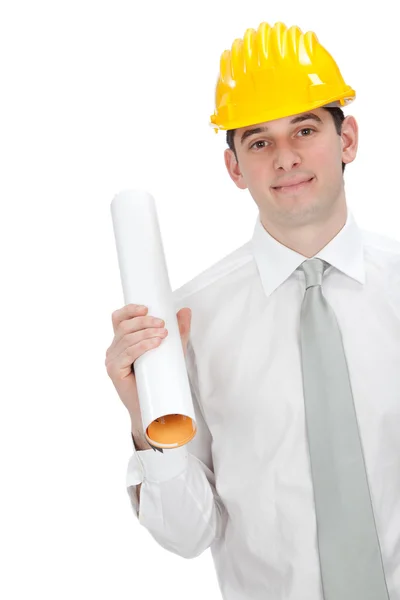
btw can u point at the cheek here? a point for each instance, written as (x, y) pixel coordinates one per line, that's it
(259, 173)
(323, 156)
(327, 167)
(320, 157)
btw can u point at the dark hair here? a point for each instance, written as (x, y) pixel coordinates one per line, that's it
(337, 116)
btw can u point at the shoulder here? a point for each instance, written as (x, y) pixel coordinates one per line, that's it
(382, 253)
(380, 242)
(215, 277)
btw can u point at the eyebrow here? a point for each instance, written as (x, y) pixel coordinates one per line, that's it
(298, 119)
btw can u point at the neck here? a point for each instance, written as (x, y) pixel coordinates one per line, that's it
(310, 237)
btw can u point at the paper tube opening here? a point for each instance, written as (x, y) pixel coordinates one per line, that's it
(171, 431)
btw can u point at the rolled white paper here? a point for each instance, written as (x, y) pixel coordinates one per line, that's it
(165, 398)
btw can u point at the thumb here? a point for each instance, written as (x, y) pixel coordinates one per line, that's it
(184, 317)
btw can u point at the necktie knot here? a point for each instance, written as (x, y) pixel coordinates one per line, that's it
(313, 270)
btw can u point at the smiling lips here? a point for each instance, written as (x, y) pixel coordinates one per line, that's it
(293, 184)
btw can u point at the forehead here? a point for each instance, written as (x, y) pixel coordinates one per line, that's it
(316, 114)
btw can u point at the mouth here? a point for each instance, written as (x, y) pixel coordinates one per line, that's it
(289, 189)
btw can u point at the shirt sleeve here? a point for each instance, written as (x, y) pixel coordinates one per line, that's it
(179, 504)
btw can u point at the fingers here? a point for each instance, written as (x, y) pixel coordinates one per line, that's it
(137, 321)
(132, 345)
(127, 312)
(136, 332)
(121, 363)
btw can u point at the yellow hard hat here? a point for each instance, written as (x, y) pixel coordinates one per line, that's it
(275, 72)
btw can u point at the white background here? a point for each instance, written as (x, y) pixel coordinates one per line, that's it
(97, 97)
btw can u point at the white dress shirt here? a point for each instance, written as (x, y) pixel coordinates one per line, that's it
(242, 487)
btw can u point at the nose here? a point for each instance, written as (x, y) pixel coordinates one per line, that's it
(286, 158)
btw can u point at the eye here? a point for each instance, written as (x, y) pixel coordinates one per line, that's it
(306, 129)
(258, 142)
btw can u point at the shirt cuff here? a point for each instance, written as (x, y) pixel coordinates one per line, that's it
(155, 466)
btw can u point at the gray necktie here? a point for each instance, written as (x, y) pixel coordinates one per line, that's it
(349, 552)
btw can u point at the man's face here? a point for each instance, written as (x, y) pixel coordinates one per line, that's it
(302, 147)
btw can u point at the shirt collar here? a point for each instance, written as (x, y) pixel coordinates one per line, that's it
(276, 262)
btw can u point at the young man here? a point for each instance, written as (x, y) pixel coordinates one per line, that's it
(293, 356)
(292, 167)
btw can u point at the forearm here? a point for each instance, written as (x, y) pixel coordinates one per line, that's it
(140, 441)
(182, 511)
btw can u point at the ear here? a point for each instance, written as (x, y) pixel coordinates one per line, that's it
(233, 169)
(349, 137)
